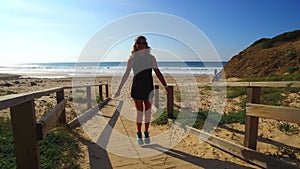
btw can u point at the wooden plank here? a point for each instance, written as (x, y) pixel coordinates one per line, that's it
(276, 84)
(240, 151)
(238, 84)
(251, 123)
(203, 84)
(46, 123)
(100, 92)
(253, 84)
(156, 96)
(170, 101)
(106, 90)
(24, 134)
(274, 112)
(89, 97)
(253, 95)
(15, 99)
(233, 84)
(81, 86)
(60, 96)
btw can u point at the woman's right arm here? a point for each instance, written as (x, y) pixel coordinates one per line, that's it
(125, 76)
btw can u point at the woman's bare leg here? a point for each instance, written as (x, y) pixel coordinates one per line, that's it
(139, 118)
(148, 105)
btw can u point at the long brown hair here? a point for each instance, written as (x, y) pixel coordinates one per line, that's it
(134, 48)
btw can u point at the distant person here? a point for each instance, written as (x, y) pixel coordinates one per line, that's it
(217, 76)
(142, 63)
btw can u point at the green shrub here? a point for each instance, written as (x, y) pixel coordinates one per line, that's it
(215, 117)
(161, 118)
(292, 69)
(99, 99)
(55, 149)
(291, 55)
(289, 77)
(272, 96)
(8, 92)
(7, 156)
(235, 94)
(287, 128)
(262, 40)
(234, 117)
(267, 44)
(243, 103)
(59, 148)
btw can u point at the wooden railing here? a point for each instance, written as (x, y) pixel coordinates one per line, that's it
(170, 98)
(254, 111)
(27, 131)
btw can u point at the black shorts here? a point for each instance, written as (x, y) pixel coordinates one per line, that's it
(140, 92)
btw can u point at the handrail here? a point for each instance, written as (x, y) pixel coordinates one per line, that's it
(274, 112)
(45, 124)
(249, 84)
(16, 99)
(254, 84)
(81, 86)
(255, 110)
(26, 130)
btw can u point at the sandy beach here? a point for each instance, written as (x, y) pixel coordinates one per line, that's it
(271, 139)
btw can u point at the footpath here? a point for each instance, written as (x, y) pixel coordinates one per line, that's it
(109, 137)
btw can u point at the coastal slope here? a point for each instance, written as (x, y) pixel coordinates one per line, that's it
(277, 56)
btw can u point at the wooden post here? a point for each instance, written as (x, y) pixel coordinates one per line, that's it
(156, 96)
(106, 90)
(89, 97)
(24, 134)
(100, 92)
(170, 101)
(59, 97)
(251, 123)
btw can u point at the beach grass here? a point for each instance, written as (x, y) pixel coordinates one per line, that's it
(7, 156)
(233, 92)
(58, 149)
(202, 116)
(287, 128)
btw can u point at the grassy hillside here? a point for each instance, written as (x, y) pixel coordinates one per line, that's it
(276, 56)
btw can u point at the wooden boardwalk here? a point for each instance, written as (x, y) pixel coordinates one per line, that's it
(114, 145)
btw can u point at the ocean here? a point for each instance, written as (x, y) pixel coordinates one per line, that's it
(69, 69)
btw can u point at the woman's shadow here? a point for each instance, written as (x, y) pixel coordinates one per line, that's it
(201, 162)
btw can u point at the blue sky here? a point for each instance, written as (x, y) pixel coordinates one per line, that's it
(58, 30)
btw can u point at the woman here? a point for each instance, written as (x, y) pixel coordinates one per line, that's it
(142, 63)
